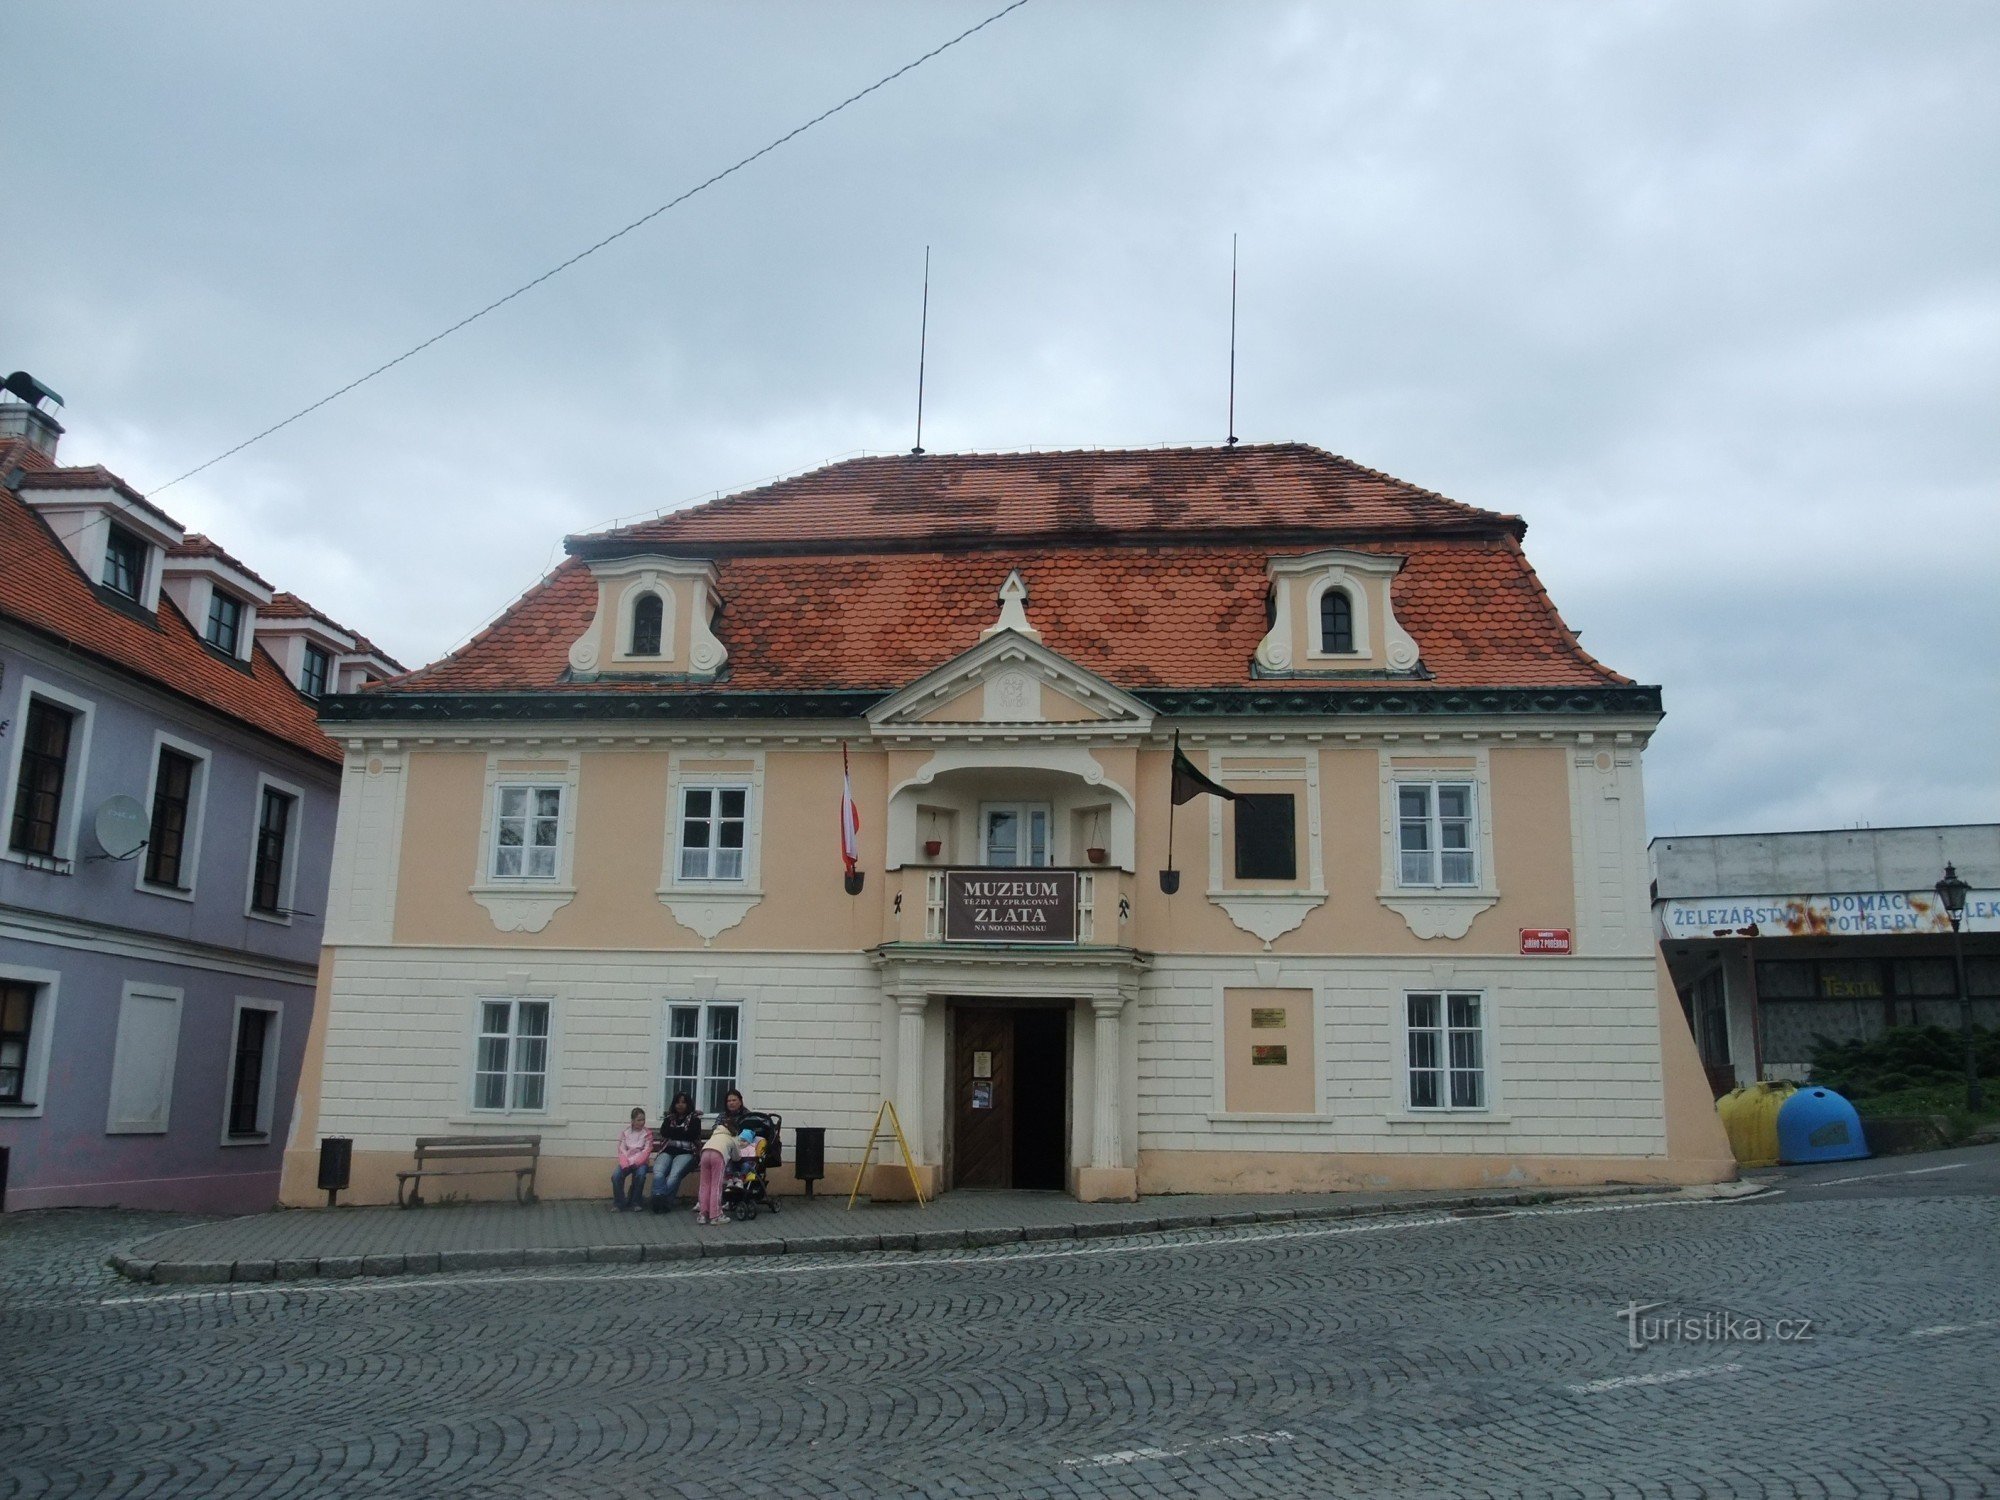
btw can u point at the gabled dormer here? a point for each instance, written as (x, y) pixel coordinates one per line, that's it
(219, 595)
(1332, 616)
(119, 539)
(654, 617)
(306, 645)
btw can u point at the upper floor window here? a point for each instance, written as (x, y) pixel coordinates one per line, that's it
(124, 563)
(38, 790)
(1336, 622)
(714, 820)
(274, 837)
(648, 614)
(225, 621)
(17, 1021)
(527, 831)
(1446, 1050)
(1014, 834)
(314, 671)
(1434, 834)
(1266, 843)
(167, 836)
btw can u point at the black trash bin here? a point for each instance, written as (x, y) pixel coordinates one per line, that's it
(809, 1164)
(3, 1179)
(336, 1163)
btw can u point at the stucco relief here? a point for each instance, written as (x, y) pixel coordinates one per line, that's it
(514, 911)
(708, 917)
(1267, 918)
(1439, 917)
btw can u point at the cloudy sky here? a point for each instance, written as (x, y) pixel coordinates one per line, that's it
(1708, 292)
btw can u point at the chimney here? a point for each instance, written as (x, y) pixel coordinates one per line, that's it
(23, 417)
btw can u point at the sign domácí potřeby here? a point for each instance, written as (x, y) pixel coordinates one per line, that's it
(1854, 914)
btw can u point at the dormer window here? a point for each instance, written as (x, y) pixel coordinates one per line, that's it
(1336, 623)
(314, 671)
(225, 622)
(648, 613)
(124, 563)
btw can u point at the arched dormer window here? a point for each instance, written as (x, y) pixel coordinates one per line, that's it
(1336, 622)
(647, 614)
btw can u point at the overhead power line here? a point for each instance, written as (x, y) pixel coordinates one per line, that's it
(637, 223)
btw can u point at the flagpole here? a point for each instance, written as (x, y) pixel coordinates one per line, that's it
(1170, 880)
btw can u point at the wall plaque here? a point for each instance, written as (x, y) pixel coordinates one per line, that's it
(1268, 1057)
(1267, 1018)
(1010, 906)
(982, 1065)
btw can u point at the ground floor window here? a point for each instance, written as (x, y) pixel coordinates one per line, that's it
(17, 1021)
(1447, 1050)
(511, 1069)
(704, 1049)
(253, 1073)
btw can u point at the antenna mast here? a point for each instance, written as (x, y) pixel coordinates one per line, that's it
(923, 346)
(1232, 343)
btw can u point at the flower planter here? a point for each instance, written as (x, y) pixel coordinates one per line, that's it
(1095, 856)
(933, 848)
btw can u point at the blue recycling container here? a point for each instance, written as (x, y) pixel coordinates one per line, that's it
(1818, 1125)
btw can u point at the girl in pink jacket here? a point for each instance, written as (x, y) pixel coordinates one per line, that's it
(635, 1148)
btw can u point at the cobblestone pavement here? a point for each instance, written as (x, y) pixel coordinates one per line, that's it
(1417, 1354)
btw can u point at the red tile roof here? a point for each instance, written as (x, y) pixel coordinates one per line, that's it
(197, 545)
(83, 477)
(1079, 496)
(42, 588)
(288, 606)
(865, 575)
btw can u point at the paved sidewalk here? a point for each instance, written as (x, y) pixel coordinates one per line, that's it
(291, 1244)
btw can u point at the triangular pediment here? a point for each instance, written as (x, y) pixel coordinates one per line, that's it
(1009, 681)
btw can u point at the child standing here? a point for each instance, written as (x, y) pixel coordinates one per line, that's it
(635, 1148)
(716, 1152)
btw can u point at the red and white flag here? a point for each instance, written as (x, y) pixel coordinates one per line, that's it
(850, 817)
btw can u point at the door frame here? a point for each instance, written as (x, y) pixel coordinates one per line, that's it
(954, 1004)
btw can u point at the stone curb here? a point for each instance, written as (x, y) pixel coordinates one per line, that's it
(338, 1267)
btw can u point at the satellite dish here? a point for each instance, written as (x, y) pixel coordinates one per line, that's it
(121, 827)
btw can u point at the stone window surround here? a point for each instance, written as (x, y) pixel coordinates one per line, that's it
(527, 903)
(512, 994)
(197, 811)
(267, 1105)
(41, 1032)
(140, 990)
(1438, 911)
(701, 995)
(628, 600)
(70, 815)
(710, 908)
(1269, 912)
(294, 836)
(1448, 1115)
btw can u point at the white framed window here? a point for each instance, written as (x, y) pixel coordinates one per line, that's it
(176, 797)
(274, 850)
(46, 765)
(1435, 830)
(527, 831)
(250, 1102)
(27, 1026)
(125, 562)
(1014, 834)
(510, 1065)
(649, 614)
(1445, 1049)
(704, 1055)
(714, 823)
(142, 1060)
(315, 670)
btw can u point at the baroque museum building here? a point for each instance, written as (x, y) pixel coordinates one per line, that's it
(595, 856)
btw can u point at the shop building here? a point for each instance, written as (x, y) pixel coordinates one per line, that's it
(594, 856)
(166, 823)
(1778, 939)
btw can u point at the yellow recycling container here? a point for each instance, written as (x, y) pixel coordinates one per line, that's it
(1750, 1120)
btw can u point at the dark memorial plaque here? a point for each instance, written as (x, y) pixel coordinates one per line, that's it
(1010, 906)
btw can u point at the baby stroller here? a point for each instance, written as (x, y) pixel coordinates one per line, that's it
(745, 1184)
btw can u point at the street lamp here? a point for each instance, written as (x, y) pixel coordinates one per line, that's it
(1952, 891)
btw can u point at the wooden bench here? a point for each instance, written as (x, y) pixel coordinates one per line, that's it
(481, 1153)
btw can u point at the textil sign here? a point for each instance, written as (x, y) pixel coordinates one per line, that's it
(1009, 906)
(1855, 914)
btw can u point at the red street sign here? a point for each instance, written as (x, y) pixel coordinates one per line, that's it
(1545, 940)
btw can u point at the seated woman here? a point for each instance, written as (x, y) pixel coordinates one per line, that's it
(678, 1143)
(733, 1111)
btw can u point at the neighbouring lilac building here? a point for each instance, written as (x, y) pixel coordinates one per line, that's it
(166, 828)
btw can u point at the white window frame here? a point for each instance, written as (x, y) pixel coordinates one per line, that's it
(706, 1075)
(244, 620)
(288, 877)
(648, 582)
(197, 810)
(1444, 1031)
(1025, 812)
(74, 772)
(715, 786)
(41, 1035)
(558, 862)
(328, 681)
(267, 1089)
(1434, 821)
(121, 1061)
(1358, 611)
(511, 1074)
(147, 566)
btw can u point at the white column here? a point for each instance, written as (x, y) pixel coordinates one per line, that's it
(1107, 1145)
(910, 1069)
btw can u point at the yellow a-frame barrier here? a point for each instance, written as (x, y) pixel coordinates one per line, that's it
(894, 1133)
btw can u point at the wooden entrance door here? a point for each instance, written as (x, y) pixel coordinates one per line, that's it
(983, 1099)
